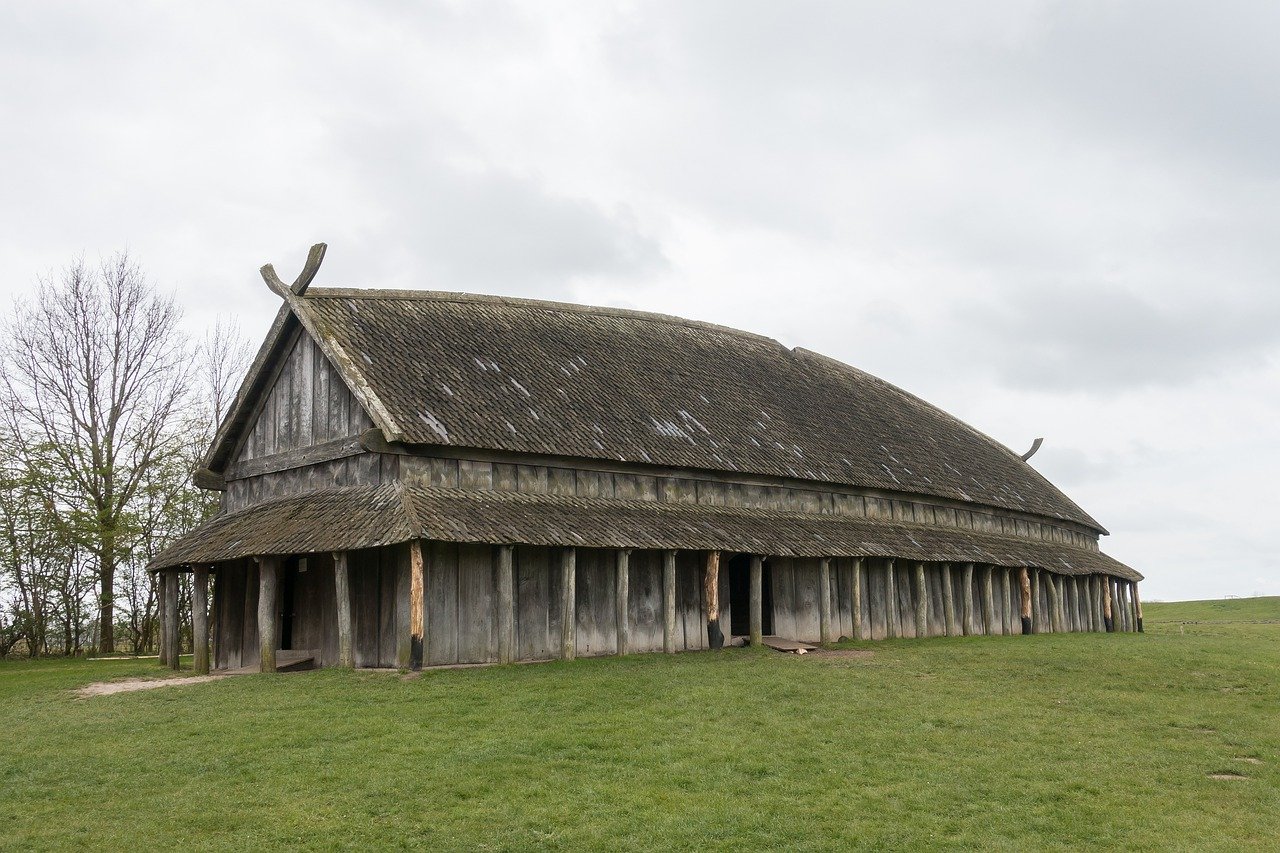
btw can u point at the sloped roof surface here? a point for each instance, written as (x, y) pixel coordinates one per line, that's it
(361, 517)
(546, 378)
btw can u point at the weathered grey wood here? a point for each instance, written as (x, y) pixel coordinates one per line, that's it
(824, 600)
(1038, 625)
(1095, 583)
(342, 597)
(1006, 592)
(1121, 607)
(949, 601)
(859, 631)
(477, 604)
(1108, 610)
(1024, 592)
(171, 624)
(967, 618)
(922, 603)
(669, 602)
(756, 603)
(988, 602)
(1055, 603)
(622, 597)
(1137, 606)
(568, 614)
(268, 576)
(200, 620)
(161, 581)
(298, 457)
(506, 604)
(890, 602)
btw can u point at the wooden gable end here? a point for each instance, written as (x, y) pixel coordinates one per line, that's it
(306, 403)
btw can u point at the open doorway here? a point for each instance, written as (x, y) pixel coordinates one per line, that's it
(740, 597)
(286, 596)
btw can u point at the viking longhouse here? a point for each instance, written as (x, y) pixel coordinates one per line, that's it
(422, 478)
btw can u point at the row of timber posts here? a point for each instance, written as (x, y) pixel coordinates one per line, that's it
(1098, 603)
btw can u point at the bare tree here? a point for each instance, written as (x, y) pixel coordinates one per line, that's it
(96, 370)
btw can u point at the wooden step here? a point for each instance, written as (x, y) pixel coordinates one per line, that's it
(782, 644)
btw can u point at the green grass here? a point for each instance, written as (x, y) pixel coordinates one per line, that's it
(1065, 741)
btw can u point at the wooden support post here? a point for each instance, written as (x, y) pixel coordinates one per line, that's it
(411, 656)
(967, 600)
(948, 601)
(922, 603)
(757, 599)
(568, 606)
(711, 596)
(1038, 625)
(988, 600)
(1006, 591)
(1064, 601)
(1121, 608)
(1137, 605)
(1024, 590)
(669, 602)
(1088, 604)
(506, 604)
(200, 620)
(172, 630)
(1055, 624)
(824, 605)
(622, 595)
(268, 578)
(890, 602)
(1108, 605)
(160, 581)
(342, 591)
(858, 631)
(1098, 596)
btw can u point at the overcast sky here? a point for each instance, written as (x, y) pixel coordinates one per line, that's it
(1051, 219)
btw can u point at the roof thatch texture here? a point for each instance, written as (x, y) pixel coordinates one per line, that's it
(351, 518)
(545, 378)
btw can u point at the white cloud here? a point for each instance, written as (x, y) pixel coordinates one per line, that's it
(1050, 219)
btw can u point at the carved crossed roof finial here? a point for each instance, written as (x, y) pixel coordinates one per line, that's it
(303, 281)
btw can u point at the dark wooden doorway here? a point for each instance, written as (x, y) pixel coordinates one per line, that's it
(740, 597)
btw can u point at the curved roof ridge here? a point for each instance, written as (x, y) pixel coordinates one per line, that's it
(538, 304)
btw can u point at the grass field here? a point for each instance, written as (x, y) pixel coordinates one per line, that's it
(1063, 741)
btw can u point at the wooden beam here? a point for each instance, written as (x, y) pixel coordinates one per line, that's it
(200, 620)
(622, 595)
(1121, 607)
(1006, 591)
(1108, 609)
(1137, 605)
(342, 590)
(1037, 625)
(161, 582)
(314, 454)
(859, 632)
(922, 602)
(268, 579)
(711, 597)
(756, 603)
(506, 604)
(988, 601)
(1024, 589)
(824, 604)
(568, 603)
(949, 602)
(669, 602)
(890, 602)
(1087, 604)
(967, 616)
(203, 478)
(1055, 623)
(171, 623)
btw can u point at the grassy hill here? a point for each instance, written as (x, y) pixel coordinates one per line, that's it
(1062, 741)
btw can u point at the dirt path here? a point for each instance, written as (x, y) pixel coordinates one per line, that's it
(107, 688)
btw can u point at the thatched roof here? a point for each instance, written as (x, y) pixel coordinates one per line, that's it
(362, 517)
(565, 380)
